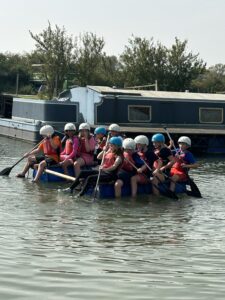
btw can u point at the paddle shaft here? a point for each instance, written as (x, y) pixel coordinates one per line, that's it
(67, 177)
(99, 172)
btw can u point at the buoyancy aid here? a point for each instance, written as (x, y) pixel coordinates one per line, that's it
(82, 148)
(179, 160)
(109, 160)
(68, 146)
(48, 150)
(128, 161)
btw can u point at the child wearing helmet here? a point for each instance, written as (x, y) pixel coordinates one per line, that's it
(164, 162)
(127, 169)
(146, 158)
(114, 130)
(50, 147)
(184, 161)
(86, 148)
(100, 138)
(68, 155)
(111, 162)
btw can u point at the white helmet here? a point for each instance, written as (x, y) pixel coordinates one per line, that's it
(185, 139)
(84, 126)
(114, 127)
(141, 139)
(70, 126)
(129, 143)
(46, 130)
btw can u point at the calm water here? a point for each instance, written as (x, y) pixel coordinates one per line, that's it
(54, 246)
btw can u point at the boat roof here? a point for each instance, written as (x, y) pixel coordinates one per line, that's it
(157, 94)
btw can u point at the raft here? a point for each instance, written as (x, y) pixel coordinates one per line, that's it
(106, 190)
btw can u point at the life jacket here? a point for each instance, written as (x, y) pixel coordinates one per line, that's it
(49, 150)
(68, 146)
(82, 148)
(109, 159)
(126, 163)
(179, 160)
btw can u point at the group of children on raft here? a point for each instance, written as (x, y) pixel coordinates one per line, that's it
(122, 160)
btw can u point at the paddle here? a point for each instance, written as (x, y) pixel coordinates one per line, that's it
(67, 177)
(167, 193)
(195, 192)
(6, 171)
(99, 171)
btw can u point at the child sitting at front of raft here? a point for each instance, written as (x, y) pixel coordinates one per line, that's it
(184, 160)
(163, 164)
(112, 160)
(50, 147)
(86, 149)
(129, 167)
(147, 158)
(68, 155)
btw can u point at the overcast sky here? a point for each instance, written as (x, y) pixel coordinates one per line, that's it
(201, 22)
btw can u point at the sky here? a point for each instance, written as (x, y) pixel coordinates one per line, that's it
(201, 22)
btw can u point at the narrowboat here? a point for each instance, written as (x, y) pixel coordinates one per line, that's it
(198, 115)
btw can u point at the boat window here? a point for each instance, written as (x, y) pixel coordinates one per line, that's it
(210, 115)
(139, 113)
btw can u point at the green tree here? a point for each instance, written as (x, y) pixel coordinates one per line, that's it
(54, 52)
(11, 66)
(88, 58)
(143, 62)
(212, 81)
(183, 67)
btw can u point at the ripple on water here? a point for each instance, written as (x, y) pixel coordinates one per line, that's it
(55, 246)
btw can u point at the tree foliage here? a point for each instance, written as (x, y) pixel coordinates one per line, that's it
(212, 81)
(144, 62)
(82, 61)
(54, 54)
(11, 66)
(88, 58)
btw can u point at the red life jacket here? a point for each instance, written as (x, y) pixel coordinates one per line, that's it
(49, 150)
(109, 159)
(68, 146)
(82, 148)
(179, 159)
(126, 165)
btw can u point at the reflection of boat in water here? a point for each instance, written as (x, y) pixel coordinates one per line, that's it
(106, 190)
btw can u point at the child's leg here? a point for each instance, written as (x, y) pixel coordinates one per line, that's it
(157, 178)
(66, 164)
(30, 161)
(77, 165)
(134, 182)
(117, 188)
(173, 181)
(42, 165)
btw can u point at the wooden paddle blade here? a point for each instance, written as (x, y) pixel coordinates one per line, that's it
(195, 192)
(6, 171)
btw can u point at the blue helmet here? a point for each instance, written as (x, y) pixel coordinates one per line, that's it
(115, 140)
(158, 137)
(100, 130)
